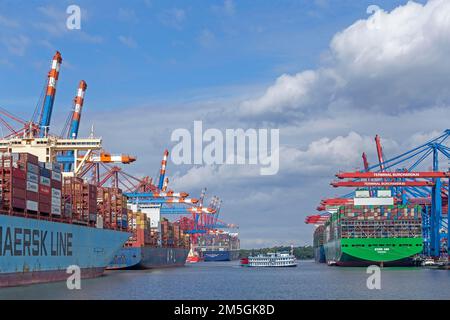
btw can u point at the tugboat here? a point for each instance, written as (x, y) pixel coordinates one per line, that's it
(193, 257)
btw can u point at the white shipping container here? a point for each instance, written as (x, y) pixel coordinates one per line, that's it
(56, 176)
(32, 187)
(362, 194)
(56, 210)
(32, 205)
(384, 193)
(68, 210)
(99, 223)
(374, 201)
(32, 177)
(32, 168)
(45, 181)
(56, 201)
(56, 193)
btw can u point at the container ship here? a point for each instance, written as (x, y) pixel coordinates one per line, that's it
(48, 223)
(155, 242)
(319, 250)
(371, 231)
(219, 246)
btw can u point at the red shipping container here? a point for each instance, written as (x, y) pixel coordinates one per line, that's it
(56, 184)
(45, 208)
(26, 157)
(20, 174)
(19, 193)
(33, 196)
(18, 203)
(44, 190)
(45, 199)
(19, 183)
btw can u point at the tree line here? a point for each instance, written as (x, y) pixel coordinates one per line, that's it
(301, 253)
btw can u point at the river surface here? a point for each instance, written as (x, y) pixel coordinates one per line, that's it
(227, 280)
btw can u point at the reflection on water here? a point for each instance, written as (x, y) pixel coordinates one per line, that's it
(227, 280)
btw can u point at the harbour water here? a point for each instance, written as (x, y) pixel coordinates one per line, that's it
(227, 280)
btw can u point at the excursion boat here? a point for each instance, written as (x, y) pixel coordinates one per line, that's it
(282, 259)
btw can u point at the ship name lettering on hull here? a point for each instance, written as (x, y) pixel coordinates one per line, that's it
(18, 242)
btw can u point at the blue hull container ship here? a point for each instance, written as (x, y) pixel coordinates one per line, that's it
(49, 219)
(155, 242)
(223, 246)
(44, 229)
(36, 251)
(217, 255)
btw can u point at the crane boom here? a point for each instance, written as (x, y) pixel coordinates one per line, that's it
(76, 117)
(162, 173)
(379, 152)
(357, 184)
(398, 174)
(53, 75)
(366, 163)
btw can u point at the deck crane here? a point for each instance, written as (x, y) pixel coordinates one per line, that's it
(162, 172)
(76, 117)
(47, 108)
(165, 185)
(379, 152)
(366, 163)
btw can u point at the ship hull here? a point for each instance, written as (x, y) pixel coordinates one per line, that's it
(161, 257)
(373, 251)
(34, 277)
(36, 251)
(319, 254)
(126, 258)
(148, 258)
(217, 255)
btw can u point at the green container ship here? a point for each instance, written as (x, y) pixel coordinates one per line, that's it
(362, 235)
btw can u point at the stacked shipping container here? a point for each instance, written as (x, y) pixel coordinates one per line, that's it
(112, 206)
(27, 185)
(144, 234)
(30, 187)
(376, 222)
(222, 240)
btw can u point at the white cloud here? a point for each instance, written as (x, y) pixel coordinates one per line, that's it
(53, 24)
(391, 62)
(207, 39)
(6, 63)
(173, 18)
(127, 15)
(227, 8)
(8, 22)
(327, 155)
(16, 45)
(128, 41)
(201, 176)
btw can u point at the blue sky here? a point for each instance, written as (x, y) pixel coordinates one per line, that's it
(314, 69)
(164, 50)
